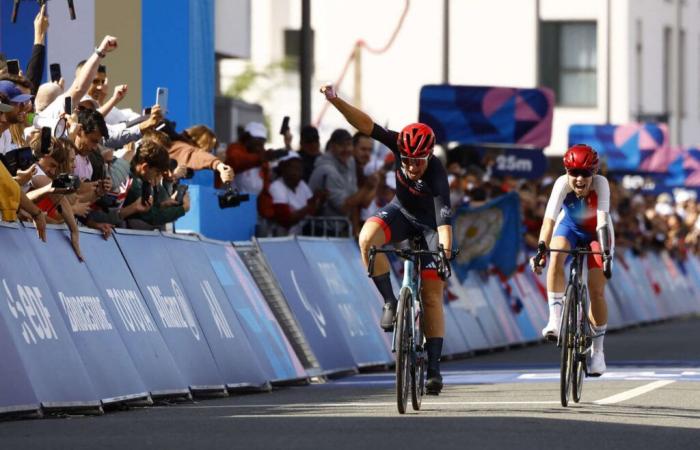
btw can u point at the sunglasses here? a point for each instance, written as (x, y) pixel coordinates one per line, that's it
(585, 173)
(406, 161)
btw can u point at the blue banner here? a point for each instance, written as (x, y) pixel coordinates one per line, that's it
(31, 315)
(347, 289)
(486, 114)
(520, 163)
(131, 316)
(88, 320)
(276, 355)
(314, 313)
(163, 291)
(16, 393)
(488, 235)
(238, 363)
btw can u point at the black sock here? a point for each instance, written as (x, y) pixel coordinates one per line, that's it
(434, 348)
(383, 283)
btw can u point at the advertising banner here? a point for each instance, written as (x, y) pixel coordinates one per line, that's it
(306, 300)
(276, 355)
(164, 293)
(88, 320)
(32, 318)
(486, 114)
(131, 315)
(238, 364)
(348, 291)
(16, 393)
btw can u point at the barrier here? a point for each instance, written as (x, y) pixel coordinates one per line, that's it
(132, 317)
(305, 298)
(30, 312)
(505, 310)
(162, 289)
(237, 362)
(276, 355)
(347, 290)
(89, 323)
(474, 318)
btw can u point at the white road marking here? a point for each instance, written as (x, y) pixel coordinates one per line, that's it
(626, 395)
(367, 405)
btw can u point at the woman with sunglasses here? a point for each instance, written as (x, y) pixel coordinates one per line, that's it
(578, 214)
(421, 207)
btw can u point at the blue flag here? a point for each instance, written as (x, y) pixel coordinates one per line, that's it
(488, 235)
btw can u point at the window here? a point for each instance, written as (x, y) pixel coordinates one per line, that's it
(666, 79)
(681, 73)
(292, 49)
(640, 68)
(569, 62)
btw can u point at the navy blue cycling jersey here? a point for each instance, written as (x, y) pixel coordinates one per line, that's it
(428, 199)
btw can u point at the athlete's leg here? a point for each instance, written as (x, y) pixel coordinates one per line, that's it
(598, 313)
(556, 284)
(377, 231)
(432, 292)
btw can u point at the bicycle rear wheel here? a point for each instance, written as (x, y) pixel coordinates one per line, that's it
(580, 353)
(418, 369)
(403, 350)
(568, 329)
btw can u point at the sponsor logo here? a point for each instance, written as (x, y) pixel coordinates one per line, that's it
(174, 311)
(85, 313)
(132, 311)
(27, 307)
(216, 311)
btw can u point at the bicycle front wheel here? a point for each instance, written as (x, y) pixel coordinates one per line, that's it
(566, 337)
(403, 349)
(581, 344)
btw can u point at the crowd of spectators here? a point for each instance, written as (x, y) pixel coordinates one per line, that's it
(70, 155)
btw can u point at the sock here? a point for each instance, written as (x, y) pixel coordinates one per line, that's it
(383, 283)
(434, 348)
(598, 341)
(555, 301)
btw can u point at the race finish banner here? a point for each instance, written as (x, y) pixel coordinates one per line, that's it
(631, 148)
(90, 323)
(238, 363)
(34, 322)
(357, 311)
(165, 296)
(488, 236)
(309, 304)
(132, 317)
(493, 115)
(276, 355)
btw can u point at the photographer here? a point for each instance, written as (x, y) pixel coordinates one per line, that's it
(147, 205)
(48, 187)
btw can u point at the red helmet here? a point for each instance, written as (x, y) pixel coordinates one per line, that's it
(416, 140)
(581, 156)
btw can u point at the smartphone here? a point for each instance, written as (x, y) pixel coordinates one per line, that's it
(147, 111)
(285, 126)
(162, 98)
(181, 191)
(13, 66)
(68, 105)
(55, 71)
(146, 191)
(46, 140)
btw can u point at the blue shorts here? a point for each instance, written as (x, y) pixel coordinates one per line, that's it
(575, 235)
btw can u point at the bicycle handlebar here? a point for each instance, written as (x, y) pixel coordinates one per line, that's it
(407, 253)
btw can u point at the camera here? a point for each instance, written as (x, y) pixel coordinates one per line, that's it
(66, 181)
(230, 198)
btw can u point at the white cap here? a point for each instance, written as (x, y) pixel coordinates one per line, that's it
(87, 98)
(664, 209)
(256, 130)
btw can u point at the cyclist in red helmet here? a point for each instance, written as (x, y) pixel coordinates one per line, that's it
(421, 207)
(578, 213)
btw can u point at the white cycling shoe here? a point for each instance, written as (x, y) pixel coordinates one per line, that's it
(597, 366)
(551, 331)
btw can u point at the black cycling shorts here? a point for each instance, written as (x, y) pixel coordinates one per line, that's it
(399, 226)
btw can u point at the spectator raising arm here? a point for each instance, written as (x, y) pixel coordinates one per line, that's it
(84, 79)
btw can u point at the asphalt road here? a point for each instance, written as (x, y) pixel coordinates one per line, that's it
(649, 398)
